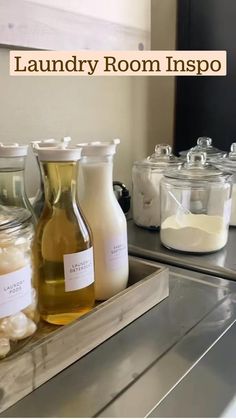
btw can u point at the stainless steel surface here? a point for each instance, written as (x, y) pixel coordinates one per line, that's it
(132, 372)
(144, 243)
(208, 388)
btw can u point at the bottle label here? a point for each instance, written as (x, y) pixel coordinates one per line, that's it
(15, 291)
(116, 252)
(79, 270)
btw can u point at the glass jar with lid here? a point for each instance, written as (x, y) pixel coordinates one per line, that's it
(12, 176)
(146, 177)
(204, 145)
(195, 206)
(18, 302)
(229, 163)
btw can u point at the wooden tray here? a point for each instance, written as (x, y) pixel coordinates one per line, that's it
(54, 348)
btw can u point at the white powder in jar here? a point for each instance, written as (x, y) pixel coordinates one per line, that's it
(146, 197)
(197, 233)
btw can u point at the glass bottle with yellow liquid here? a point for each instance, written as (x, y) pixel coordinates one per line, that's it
(50, 142)
(63, 252)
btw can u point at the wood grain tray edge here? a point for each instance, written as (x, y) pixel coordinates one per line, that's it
(39, 361)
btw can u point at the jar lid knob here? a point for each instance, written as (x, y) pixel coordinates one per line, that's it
(163, 150)
(196, 159)
(204, 142)
(233, 149)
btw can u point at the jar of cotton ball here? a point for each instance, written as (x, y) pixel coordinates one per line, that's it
(195, 206)
(18, 302)
(146, 177)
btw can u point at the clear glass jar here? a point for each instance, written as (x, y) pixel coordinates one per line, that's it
(146, 177)
(12, 176)
(195, 206)
(229, 163)
(204, 145)
(18, 297)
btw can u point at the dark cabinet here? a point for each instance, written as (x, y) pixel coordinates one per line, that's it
(206, 106)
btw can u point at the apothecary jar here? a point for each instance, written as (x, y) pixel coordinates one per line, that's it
(18, 302)
(195, 206)
(146, 177)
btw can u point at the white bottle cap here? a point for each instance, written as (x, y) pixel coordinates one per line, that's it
(13, 150)
(59, 154)
(49, 142)
(99, 148)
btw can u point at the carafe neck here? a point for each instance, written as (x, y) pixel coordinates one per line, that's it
(59, 183)
(97, 174)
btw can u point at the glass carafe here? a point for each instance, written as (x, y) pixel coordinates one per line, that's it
(105, 217)
(12, 176)
(63, 252)
(50, 142)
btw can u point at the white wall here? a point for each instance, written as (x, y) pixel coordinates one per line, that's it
(162, 89)
(134, 13)
(84, 108)
(139, 110)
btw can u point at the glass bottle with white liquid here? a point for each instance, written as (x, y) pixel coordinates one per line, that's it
(105, 217)
(62, 249)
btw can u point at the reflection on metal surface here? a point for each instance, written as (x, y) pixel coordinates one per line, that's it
(154, 386)
(209, 388)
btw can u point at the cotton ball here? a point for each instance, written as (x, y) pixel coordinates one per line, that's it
(4, 347)
(31, 329)
(23, 243)
(15, 326)
(3, 326)
(146, 198)
(11, 259)
(31, 309)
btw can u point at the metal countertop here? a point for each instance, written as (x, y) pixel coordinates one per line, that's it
(136, 371)
(145, 243)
